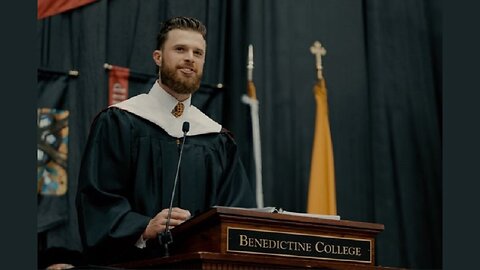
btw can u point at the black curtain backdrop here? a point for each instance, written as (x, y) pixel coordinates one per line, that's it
(405, 133)
(383, 74)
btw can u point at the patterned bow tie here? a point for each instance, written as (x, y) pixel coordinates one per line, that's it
(178, 110)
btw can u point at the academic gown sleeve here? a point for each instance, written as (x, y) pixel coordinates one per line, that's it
(233, 187)
(109, 228)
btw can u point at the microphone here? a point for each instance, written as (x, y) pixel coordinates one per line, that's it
(165, 238)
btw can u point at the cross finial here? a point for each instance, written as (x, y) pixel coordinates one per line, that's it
(318, 50)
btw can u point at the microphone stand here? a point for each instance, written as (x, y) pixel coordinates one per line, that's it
(165, 237)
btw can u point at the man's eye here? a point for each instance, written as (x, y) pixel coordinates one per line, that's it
(199, 53)
(180, 49)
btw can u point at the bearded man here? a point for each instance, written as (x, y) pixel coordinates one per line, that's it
(129, 164)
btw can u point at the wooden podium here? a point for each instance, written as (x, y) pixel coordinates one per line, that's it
(235, 238)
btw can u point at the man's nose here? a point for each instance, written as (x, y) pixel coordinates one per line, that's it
(189, 56)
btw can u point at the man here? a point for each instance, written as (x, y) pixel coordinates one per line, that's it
(128, 169)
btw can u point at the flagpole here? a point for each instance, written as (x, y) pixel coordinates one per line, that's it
(251, 100)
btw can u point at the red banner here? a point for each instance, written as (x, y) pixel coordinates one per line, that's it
(46, 8)
(118, 84)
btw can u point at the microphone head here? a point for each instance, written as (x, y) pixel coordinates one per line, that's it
(185, 127)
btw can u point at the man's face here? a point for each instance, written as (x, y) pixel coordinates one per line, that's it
(181, 61)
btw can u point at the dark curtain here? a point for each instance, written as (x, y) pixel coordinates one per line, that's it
(403, 70)
(383, 74)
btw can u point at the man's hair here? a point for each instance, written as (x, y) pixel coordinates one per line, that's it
(183, 23)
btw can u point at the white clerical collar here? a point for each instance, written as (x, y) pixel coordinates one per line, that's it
(156, 106)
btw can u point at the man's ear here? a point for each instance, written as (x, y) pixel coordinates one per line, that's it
(157, 57)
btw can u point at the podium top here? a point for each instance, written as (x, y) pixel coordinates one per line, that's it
(289, 220)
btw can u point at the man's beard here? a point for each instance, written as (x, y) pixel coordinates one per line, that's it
(178, 84)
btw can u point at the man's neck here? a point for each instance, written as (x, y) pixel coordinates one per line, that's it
(177, 96)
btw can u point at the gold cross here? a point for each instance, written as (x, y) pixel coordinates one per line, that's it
(318, 50)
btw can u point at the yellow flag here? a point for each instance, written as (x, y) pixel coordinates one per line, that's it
(321, 191)
(251, 90)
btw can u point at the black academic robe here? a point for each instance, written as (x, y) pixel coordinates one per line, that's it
(126, 178)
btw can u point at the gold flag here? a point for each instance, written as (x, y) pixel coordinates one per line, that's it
(251, 90)
(321, 191)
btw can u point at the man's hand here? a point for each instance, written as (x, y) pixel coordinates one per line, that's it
(59, 266)
(158, 223)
